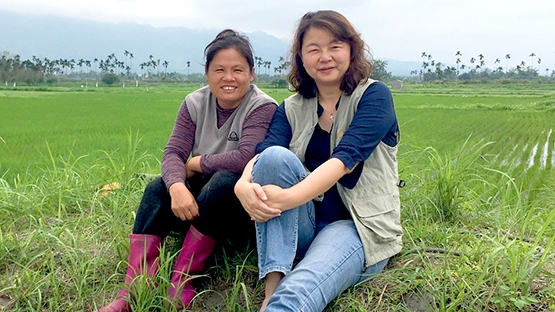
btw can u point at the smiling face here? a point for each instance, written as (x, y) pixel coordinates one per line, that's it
(229, 77)
(325, 58)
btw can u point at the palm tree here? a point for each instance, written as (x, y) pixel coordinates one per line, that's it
(522, 65)
(121, 65)
(71, 65)
(259, 62)
(508, 57)
(532, 56)
(424, 65)
(267, 65)
(126, 53)
(101, 66)
(151, 62)
(539, 62)
(482, 62)
(95, 60)
(154, 65)
(80, 63)
(38, 66)
(497, 61)
(130, 62)
(111, 63)
(47, 65)
(127, 68)
(114, 58)
(188, 65)
(88, 64)
(142, 66)
(283, 65)
(458, 61)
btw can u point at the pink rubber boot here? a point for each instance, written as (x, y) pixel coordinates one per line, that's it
(144, 250)
(196, 248)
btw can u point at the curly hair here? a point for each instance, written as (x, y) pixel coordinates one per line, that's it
(359, 68)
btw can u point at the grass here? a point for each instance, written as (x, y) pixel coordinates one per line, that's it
(477, 216)
(34, 124)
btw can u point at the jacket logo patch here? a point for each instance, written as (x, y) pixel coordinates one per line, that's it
(233, 136)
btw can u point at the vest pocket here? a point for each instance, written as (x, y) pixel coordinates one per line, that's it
(380, 215)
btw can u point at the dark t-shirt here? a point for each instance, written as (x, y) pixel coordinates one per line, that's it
(374, 122)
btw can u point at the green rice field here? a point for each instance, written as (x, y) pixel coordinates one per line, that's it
(478, 207)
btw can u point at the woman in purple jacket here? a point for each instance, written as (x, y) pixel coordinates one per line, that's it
(215, 135)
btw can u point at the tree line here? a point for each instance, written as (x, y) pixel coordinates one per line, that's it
(110, 70)
(433, 71)
(36, 70)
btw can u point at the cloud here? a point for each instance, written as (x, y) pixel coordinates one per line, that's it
(397, 29)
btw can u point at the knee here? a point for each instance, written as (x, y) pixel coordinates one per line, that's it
(155, 187)
(155, 196)
(225, 176)
(275, 155)
(277, 159)
(221, 181)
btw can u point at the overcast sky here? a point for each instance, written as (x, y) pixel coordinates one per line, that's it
(395, 29)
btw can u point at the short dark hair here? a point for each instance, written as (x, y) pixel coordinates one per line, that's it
(339, 26)
(226, 39)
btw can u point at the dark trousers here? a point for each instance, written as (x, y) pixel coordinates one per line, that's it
(221, 215)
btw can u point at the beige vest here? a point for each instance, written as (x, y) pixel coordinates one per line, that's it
(374, 201)
(209, 139)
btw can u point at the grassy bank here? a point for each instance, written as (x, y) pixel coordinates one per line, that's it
(477, 209)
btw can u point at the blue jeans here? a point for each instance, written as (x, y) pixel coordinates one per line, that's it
(332, 258)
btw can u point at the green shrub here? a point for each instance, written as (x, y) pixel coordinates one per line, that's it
(110, 78)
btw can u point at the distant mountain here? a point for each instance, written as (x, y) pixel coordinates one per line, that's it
(68, 38)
